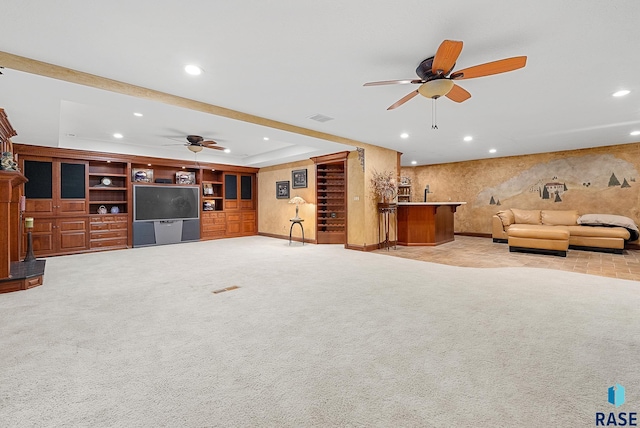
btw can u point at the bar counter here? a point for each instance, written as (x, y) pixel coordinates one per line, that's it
(426, 223)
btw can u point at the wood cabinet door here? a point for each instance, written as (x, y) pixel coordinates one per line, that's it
(72, 234)
(58, 235)
(55, 187)
(41, 237)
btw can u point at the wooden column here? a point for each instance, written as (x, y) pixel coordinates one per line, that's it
(8, 228)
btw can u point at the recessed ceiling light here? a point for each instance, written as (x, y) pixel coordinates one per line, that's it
(193, 70)
(404, 135)
(621, 93)
(266, 138)
(148, 164)
(492, 151)
(117, 135)
(227, 151)
(468, 138)
(634, 133)
(414, 162)
(137, 114)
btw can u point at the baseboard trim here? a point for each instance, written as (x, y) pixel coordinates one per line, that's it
(370, 247)
(293, 238)
(477, 235)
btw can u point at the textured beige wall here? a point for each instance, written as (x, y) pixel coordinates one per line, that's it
(274, 214)
(519, 182)
(362, 226)
(380, 160)
(356, 193)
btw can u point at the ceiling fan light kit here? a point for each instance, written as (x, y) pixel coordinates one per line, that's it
(436, 88)
(195, 148)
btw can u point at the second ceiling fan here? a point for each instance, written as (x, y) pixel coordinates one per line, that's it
(196, 143)
(436, 75)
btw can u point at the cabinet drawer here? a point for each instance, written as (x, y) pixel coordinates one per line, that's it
(115, 242)
(109, 234)
(33, 282)
(213, 227)
(99, 226)
(67, 225)
(214, 234)
(118, 226)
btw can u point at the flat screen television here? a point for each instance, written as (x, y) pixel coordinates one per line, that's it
(152, 203)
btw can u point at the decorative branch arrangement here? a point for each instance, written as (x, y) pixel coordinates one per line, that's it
(384, 186)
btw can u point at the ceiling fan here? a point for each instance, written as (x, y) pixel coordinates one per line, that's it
(436, 78)
(196, 143)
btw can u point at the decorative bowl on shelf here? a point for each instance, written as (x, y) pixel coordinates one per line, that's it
(115, 210)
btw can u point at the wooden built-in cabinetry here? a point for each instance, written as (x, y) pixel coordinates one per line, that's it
(109, 231)
(69, 191)
(331, 194)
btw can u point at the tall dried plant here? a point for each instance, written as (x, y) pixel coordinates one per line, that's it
(384, 186)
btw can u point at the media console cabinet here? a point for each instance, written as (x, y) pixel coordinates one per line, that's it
(83, 201)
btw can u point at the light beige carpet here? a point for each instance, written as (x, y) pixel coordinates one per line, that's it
(316, 336)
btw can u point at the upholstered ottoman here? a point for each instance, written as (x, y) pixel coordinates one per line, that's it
(539, 238)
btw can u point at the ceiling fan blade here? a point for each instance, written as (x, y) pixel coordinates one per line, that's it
(403, 100)
(394, 82)
(446, 57)
(458, 94)
(495, 67)
(210, 144)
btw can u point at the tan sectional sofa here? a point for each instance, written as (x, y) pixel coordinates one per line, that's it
(555, 230)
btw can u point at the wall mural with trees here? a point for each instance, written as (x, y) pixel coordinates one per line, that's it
(591, 181)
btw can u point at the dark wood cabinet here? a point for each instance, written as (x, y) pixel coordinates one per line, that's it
(239, 204)
(214, 224)
(58, 235)
(56, 197)
(239, 191)
(55, 187)
(109, 231)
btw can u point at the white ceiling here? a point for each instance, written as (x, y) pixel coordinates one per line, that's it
(287, 60)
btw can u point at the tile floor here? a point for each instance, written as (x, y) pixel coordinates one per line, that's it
(483, 252)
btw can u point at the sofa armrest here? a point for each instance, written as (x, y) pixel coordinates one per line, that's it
(497, 229)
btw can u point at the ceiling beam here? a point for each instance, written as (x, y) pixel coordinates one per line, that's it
(53, 71)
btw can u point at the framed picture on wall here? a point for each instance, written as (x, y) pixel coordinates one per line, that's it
(299, 178)
(282, 189)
